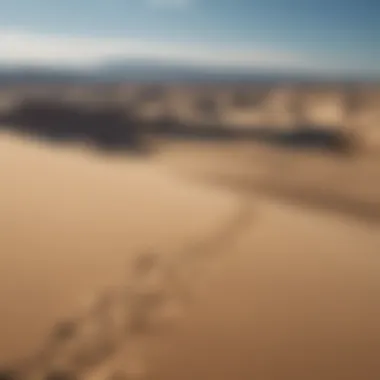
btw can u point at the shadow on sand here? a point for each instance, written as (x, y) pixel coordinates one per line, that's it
(107, 128)
(112, 128)
(306, 137)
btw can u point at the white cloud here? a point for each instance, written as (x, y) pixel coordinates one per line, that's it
(19, 47)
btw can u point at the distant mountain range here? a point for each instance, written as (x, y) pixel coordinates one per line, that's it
(149, 71)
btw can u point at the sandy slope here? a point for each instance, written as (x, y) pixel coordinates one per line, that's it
(296, 296)
(69, 222)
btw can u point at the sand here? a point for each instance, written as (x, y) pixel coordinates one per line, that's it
(69, 223)
(296, 298)
(293, 295)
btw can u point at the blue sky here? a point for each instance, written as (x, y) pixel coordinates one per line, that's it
(316, 35)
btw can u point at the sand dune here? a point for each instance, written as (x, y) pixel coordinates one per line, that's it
(296, 298)
(70, 222)
(293, 295)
